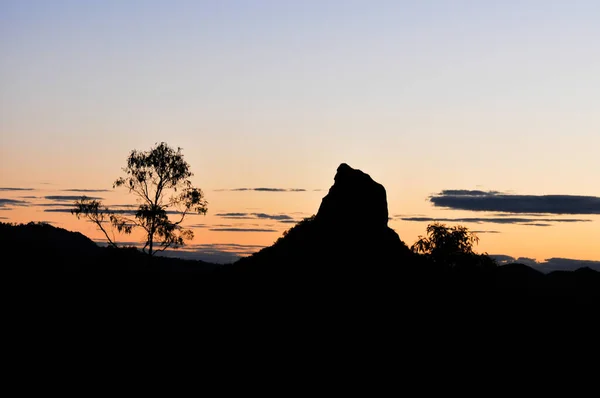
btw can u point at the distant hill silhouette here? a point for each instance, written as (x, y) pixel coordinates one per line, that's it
(46, 249)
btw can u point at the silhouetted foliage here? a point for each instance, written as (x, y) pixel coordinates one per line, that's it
(160, 178)
(450, 245)
(94, 211)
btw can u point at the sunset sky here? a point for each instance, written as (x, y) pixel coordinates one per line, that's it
(467, 112)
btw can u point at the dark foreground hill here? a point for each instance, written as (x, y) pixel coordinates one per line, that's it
(42, 249)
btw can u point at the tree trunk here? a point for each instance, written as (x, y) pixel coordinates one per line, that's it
(150, 243)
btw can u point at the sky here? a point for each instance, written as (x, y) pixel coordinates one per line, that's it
(479, 113)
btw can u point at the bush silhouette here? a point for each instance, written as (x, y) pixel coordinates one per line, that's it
(450, 246)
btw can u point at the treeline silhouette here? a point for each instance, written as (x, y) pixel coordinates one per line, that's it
(345, 255)
(324, 256)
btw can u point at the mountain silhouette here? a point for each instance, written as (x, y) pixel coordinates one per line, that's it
(348, 235)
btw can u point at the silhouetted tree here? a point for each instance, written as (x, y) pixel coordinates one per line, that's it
(160, 178)
(151, 175)
(450, 245)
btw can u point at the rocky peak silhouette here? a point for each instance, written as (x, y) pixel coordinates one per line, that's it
(349, 232)
(354, 199)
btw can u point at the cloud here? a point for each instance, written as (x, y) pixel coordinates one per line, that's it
(3, 218)
(241, 216)
(128, 211)
(466, 192)
(549, 264)
(86, 190)
(16, 189)
(242, 230)
(61, 210)
(502, 259)
(8, 203)
(254, 216)
(486, 232)
(50, 205)
(218, 253)
(537, 222)
(278, 217)
(197, 226)
(68, 198)
(508, 203)
(263, 189)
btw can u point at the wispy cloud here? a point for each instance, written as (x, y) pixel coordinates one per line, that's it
(461, 199)
(16, 189)
(61, 210)
(87, 190)
(197, 226)
(243, 230)
(237, 216)
(531, 221)
(262, 189)
(467, 192)
(68, 198)
(218, 253)
(128, 211)
(228, 247)
(8, 203)
(278, 217)
(58, 204)
(254, 216)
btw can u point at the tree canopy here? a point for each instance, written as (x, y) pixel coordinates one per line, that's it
(449, 245)
(160, 179)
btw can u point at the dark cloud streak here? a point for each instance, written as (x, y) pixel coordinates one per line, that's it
(532, 204)
(263, 189)
(86, 190)
(242, 230)
(68, 198)
(12, 202)
(538, 222)
(114, 211)
(253, 216)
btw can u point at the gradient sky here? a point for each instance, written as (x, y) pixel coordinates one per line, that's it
(424, 96)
